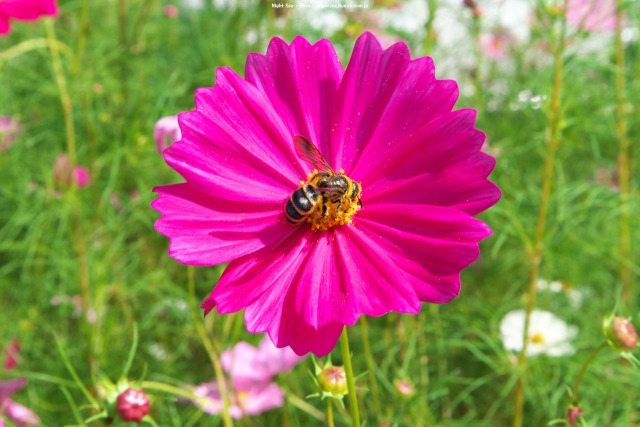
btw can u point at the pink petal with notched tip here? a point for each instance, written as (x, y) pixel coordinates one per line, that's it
(300, 81)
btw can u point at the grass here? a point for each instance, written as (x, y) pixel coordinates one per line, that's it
(126, 65)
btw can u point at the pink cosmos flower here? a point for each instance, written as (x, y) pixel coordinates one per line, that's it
(10, 410)
(9, 130)
(166, 132)
(64, 174)
(171, 11)
(254, 399)
(251, 370)
(24, 10)
(388, 123)
(592, 15)
(248, 364)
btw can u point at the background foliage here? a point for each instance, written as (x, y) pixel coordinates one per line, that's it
(68, 255)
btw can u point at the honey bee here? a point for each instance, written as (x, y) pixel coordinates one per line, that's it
(325, 194)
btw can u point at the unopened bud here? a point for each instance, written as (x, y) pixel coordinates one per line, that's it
(133, 405)
(404, 388)
(333, 381)
(572, 415)
(621, 333)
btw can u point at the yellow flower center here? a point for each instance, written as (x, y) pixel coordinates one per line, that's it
(537, 338)
(338, 199)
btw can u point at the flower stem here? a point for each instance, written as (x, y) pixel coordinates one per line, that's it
(351, 384)
(78, 237)
(375, 391)
(623, 164)
(552, 139)
(330, 412)
(211, 352)
(583, 370)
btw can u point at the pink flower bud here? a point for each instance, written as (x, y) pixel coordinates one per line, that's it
(133, 405)
(572, 415)
(626, 334)
(171, 11)
(64, 174)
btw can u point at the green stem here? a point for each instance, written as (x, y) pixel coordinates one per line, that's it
(552, 139)
(209, 348)
(351, 384)
(583, 370)
(330, 412)
(375, 391)
(623, 164)
(77, 233)
(430, 36)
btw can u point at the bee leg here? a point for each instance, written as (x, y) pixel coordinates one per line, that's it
(360, 203)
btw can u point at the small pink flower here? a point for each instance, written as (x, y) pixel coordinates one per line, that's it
(171, 11)
(15, 412)
(64, 175)
(24, 10)
(132, 405)
(166, 132)
(11, 355)
(592, 15)
(495, 45)
(253, 399)
(248, 364)
(10, 128)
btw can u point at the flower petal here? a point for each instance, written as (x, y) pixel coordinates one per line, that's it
(28, 10)
(430, 245)
(440, 165)
(384, 96)
(209, 230)
(301, 81)
(234, 144)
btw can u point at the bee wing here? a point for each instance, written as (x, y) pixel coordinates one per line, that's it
(306, 150)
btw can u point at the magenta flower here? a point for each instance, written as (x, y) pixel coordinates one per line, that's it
(166, 132)
(10, 410)
(132, 405)
(592, 15)
(64, 174)
(400, 241)
(24, 10)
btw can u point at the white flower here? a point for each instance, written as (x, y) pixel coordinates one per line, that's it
(547, 333)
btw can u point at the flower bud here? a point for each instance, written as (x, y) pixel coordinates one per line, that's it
(333, 381)
(572, 415)
(404, 388)
(133, 405)
(621, 333)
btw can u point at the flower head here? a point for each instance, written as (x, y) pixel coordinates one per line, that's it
(132, 405)
(620, 333)
(248, 364)
(251, 400)
(166, 132)
(384, 123)
(547, 333)
(592, 15)
(9, 130)
(24, 10)
(19, 414)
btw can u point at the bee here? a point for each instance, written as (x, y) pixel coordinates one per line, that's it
(326, 192)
